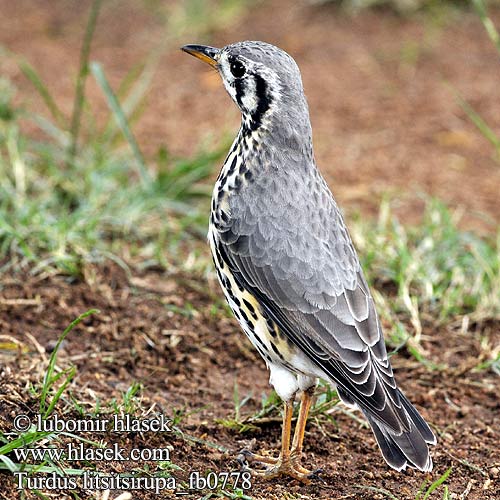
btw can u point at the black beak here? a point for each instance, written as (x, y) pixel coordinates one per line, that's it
(204, 52)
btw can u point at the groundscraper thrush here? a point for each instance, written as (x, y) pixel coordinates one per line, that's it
(288, 268)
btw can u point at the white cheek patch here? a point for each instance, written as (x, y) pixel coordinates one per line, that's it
(229, 88)
(226, 76)
(249, 100)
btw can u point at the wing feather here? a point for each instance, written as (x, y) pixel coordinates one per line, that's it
(310, 283)
(334, 345)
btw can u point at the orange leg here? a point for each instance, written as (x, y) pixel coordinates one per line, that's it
(288, 462)
(286, 430)
(300, 427)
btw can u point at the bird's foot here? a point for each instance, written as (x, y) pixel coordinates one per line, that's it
(281, 466)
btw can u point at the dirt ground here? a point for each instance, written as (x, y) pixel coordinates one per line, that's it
(137, 336)
(385, 118)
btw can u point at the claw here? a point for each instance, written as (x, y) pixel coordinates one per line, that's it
(242, 461)
(246, 452)
(245, 468)
(315, 474)
(283, 469)
(289, 466)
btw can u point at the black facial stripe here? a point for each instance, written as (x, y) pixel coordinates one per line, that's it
(239, 87)
(264, 100)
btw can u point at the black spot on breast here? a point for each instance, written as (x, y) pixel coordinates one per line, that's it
(251, 308)
(244, 315)
(233, 165)
(264, 355)
(225, 282)
(237, 182)
(259, 340)
(220, 262)
(276, 351)
(245, 129)
(271, 328)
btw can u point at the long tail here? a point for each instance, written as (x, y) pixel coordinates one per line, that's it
(407, 448)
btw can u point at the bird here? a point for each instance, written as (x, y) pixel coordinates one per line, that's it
(289, 270)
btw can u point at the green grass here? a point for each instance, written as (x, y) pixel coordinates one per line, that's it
(130, 400)
(485, 130)
(54, 398)
(59, 216)
(79, 191)
(55, 382)
(271, 407)
(423, 493)
(430, 274)
(59, 219)
(65, 377)
(441, 274)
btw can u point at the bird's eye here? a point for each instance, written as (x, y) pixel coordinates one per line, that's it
(237, 69)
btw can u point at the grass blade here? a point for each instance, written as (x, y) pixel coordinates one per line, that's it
(30, 73)
(437, 483)
(482, 126)
(487, 22)
(132, 93)
(25, 439)
(70, 376)
(9, 464)
(15, 467)
(49, 378)
(82, 76)
(121, 119)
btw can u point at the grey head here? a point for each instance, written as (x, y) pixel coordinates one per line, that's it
(265, 83)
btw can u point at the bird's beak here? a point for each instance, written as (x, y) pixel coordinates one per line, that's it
(204, 52)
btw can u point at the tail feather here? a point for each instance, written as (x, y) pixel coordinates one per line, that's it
(400, 449)
(391, 452)
(417, 419)
(408, 448)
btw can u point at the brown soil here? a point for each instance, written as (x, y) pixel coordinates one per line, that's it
(382, 109)
(137, 336)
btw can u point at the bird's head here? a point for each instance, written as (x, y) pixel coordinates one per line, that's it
(260, 78)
